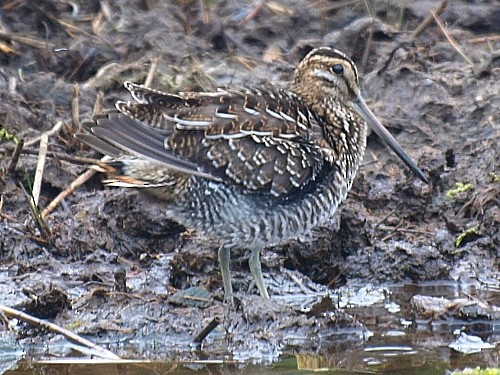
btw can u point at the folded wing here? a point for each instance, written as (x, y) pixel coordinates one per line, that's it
(263, 141)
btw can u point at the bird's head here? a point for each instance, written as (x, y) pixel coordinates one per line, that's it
(327, 72)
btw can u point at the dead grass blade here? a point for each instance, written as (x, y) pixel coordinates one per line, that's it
(42, 154)
(40, 166)
(32, 42)
(450, 39)
(35, 213)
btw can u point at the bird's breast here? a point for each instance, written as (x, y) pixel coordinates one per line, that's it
(245, 219)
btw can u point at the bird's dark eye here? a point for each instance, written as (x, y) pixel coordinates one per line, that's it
(338, 69)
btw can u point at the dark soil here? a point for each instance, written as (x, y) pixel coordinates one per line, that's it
(117, 264)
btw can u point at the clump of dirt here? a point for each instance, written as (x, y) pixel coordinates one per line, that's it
(442, 103)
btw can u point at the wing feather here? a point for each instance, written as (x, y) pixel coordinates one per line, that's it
(263, 141)
(137, 139)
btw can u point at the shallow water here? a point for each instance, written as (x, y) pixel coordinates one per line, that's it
(406, 363)
(394, 341)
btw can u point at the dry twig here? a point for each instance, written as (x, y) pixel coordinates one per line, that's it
(428, 20)
(297, 281)
(98, 103)
(79, 181)
(57, 127)
(252, 13)
(12, 86)
(383, 219)
(88, 56)
(153, 68)
(398, 228)
(368, 48)
(204, 15)
(393, 232)
(13, 313)
(206, 331)
(483, 39)
(15, 156)
(65, 157)
(75, 109)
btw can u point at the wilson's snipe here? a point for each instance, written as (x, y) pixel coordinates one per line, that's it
(248, 167)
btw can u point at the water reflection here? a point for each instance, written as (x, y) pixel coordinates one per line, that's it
(395, 337)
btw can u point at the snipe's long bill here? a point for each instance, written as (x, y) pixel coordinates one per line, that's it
(387, 137)
(248, 167)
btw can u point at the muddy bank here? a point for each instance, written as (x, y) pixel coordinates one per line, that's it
(120, 263)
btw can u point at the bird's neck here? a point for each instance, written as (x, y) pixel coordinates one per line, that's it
(344, 130)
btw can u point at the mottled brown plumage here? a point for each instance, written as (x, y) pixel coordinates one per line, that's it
(248, 167)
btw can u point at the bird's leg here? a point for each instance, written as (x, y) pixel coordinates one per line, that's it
(256, 269)
(224, 257)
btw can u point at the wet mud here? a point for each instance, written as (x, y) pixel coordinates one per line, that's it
(108, 264)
